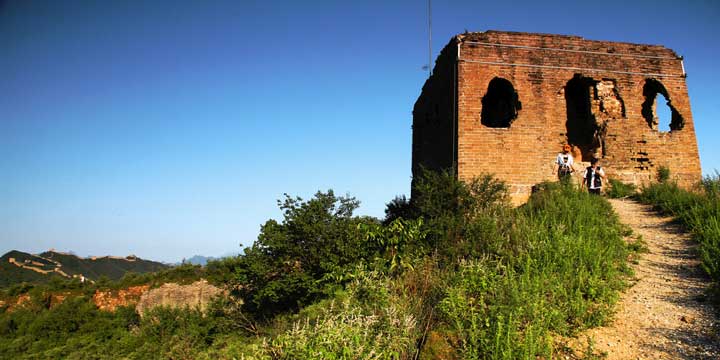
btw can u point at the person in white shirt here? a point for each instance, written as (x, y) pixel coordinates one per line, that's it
(564, 164)
(593, 177)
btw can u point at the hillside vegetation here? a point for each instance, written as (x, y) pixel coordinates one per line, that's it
(456, 272)
(698, 211)
(17, 267)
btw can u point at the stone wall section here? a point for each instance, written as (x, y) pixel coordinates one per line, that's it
(540, 67)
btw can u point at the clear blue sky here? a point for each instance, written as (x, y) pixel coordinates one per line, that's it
(169, 128)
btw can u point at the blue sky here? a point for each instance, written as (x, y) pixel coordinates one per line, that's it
(170, 128)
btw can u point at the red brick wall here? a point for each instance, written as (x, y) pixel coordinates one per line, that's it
(539, 67)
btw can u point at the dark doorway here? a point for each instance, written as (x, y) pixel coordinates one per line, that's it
(583, 130)
(500, 105)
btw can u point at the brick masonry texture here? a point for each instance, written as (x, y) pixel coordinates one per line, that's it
(598, 96)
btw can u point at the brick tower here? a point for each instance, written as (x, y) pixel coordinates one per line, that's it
(505, 102)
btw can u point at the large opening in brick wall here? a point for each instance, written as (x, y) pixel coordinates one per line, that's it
(583, 130)
(658, 110)
(500, 105)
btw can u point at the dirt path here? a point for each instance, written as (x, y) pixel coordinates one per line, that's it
(664, 314)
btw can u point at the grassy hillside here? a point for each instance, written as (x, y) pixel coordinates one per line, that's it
(13, 274)
(112, 267)
(456, 273)
(46, 264)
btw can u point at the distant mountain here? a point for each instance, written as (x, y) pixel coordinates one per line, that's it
(199, 260)
(203, 260)
(17, 266)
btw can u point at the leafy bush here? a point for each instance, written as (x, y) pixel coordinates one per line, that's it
(17, 289)
(399, 207)
(72, 329)
(291, 263)
(76, 329)
(449, 205)
(399, 242)
(619, 189)
(663, 174)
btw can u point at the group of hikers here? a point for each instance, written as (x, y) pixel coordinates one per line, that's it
(593, 176)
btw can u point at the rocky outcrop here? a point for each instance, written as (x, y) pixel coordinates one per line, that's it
(57, 299)
(111, 300)
(14, 304)
(195, 296)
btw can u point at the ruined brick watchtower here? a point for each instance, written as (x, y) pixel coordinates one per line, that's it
(505, 103)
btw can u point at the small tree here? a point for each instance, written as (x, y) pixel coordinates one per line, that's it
(289, 264)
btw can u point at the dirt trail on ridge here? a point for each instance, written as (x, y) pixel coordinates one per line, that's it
(665, 313)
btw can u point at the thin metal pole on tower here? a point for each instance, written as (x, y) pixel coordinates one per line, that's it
(429, 38)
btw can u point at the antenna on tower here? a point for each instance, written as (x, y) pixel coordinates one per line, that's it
(429, 65)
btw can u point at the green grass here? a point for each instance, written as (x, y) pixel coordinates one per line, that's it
(619, 189)
(496, 283)
(698, 211)
(563, 266)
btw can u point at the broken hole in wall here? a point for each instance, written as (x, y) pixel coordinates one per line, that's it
(658, 111)
(583, 129)
(611, 104)
(500, 105)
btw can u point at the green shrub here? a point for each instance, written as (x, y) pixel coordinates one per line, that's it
(399, 207)
(619, 189)
(368, 322)
(448, 205)
(292, 262)
(556, 269)
(399, 242)
(17, 289)
(663, 174)
(710, 184)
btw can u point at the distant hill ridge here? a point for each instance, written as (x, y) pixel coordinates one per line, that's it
(17, 266)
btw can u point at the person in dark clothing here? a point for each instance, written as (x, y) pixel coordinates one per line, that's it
(593, 177)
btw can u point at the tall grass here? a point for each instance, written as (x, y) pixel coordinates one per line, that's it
(468, 276)
(698, 211)
(558, 271)
(619, 189)
(367, 321)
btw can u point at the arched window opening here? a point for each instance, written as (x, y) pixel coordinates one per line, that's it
(583, 130)
(657, 109)
(500, 105)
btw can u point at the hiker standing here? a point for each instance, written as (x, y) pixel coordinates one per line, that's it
(593, 177)
(564, 163)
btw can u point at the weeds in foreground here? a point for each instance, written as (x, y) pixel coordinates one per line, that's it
(567, 264)
(698, 211)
